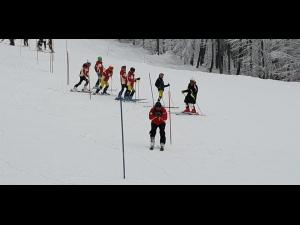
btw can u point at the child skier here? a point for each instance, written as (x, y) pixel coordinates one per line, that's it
(158, 116)
(107, 74)
(191, 97)
(161, 86)
(130, 84)
(123, 78)
(99, 70)
(84, 76)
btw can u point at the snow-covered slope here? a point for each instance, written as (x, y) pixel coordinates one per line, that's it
(49, 135)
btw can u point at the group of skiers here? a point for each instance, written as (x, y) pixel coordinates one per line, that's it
(39, 46)
(158, 114)
(42, 42)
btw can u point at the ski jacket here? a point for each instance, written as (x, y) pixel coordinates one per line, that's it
(130, 79)
(107, 74)
(123, 77)
(160, 84)
(99, 67)
(85, 70)
(192, 90)
(158, 117)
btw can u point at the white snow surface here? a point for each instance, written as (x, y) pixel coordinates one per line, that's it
(48, 135)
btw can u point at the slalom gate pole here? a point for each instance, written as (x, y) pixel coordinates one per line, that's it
(111, 89)
(122, 129)
(90, 88)
(151, 88)
(170, 115)
(135, 91)
(138, 89)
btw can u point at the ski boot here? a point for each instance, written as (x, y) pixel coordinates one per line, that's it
(162, 147)
(187, 110)
(74, 89)
(194, 110)
(152, 143)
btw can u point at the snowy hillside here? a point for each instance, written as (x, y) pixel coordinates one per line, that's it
(48, 135)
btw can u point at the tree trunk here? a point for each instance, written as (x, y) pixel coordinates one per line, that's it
(217, 53)
(201, 55)
(221, 55)
(238, 71)
(229, 58)
(212, 56)
(251, 56)
(157, 46)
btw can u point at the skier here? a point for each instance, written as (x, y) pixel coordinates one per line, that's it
(158, 116)
(50, 44)
(12, 42)
(25, 42)
(107, 74)
(191, 97)
(84, 76)
(123, 78)
(99, 70)
(160, 86)
(130, 84)
(40, 44)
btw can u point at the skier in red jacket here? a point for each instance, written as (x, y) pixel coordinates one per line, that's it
(107, 74)
(84, 76)
(99, 70)
(158, 116)
(130, 84)
(123, 79)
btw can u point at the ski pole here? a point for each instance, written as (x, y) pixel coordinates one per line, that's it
(151, 88)
(122, 130)
(170, 115)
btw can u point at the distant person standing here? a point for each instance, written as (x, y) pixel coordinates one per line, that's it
(25, 42)
(50, 45)
(12, 42)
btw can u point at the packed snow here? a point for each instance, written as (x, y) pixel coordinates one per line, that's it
(49, 135)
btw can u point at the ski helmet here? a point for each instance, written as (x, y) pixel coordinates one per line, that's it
(158, 105)
(193, 80)
(161, 75)
(132, 69)
(123, 67)
(110, 67)
(100, 58)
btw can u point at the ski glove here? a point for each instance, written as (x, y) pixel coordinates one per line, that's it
(158, 114)
(138, 78)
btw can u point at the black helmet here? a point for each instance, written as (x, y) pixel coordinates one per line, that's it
(158, 105)
(132, 69)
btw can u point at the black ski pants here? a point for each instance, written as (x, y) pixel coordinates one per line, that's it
(161, 131)
(83, 78)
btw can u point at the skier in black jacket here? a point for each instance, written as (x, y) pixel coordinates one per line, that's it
(160, 86)
(191, 97)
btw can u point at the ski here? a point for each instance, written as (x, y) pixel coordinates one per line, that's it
(88, 92)
(187, 114)
(166, 107)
